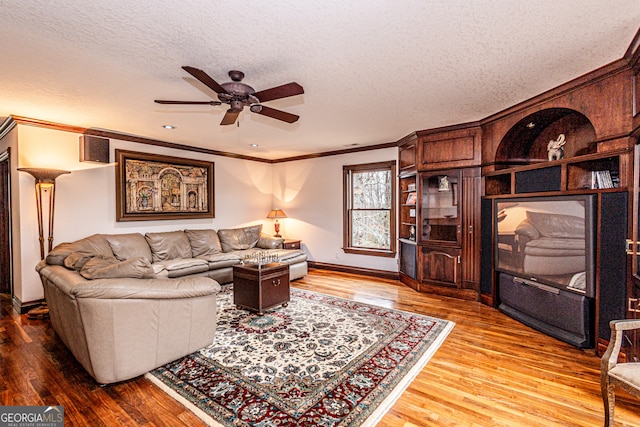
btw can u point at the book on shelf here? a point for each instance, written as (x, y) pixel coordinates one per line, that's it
(411, 199)
(412, 213)
(411, 187)
(603, 179)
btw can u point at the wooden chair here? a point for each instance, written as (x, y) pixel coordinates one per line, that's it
(614, 374)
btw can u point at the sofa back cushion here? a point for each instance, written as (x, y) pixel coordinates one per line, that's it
(203, 242)
(557, 225)
(95, 245)
(125, 246)
(237, 239)
(168, 245)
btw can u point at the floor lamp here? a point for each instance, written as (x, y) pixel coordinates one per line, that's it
(45, 182)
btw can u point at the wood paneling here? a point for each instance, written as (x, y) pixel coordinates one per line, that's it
(490, 371)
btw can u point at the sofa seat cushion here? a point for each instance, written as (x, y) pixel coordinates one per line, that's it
(203, 242)
(553, 247)
(168, 245)
(183, 267)
(238, 239)
(221, 260)
(132, 245)
(291, 256)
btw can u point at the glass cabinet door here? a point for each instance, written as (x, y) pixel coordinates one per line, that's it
(440, 207)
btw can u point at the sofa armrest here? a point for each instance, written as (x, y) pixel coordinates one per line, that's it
(187, 287)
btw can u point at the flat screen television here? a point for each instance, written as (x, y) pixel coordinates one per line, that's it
(548, 241)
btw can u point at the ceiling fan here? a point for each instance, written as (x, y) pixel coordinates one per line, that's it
(239, 95)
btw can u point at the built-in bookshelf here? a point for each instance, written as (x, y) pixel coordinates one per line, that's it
(581, 173)
(408, 208)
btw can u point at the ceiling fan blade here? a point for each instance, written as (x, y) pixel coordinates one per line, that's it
(229, 118)
(205, 79)
(289, 89)
(276, 114)
(161, 101)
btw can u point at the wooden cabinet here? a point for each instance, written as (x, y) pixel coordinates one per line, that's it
(440, 266)
(259, 288)
(453, 147)
(291, 244)
(439, 211)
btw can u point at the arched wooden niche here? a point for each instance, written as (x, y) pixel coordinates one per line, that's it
(526, 142)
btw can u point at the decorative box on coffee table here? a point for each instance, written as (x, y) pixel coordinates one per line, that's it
(260, 287)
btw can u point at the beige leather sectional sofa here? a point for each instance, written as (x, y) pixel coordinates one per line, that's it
(127, 303)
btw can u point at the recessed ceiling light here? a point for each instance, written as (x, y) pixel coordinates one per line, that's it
(255, 145)
(169, 127)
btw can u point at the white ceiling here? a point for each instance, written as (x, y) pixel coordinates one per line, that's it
(373, 71)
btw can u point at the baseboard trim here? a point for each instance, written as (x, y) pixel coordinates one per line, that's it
(391, 275)
(24, 307)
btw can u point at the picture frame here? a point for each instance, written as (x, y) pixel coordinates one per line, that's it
(155, 187)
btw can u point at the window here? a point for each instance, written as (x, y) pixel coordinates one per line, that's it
(369, 209)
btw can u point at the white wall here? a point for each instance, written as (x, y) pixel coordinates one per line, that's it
(310, 193)
(85, 199)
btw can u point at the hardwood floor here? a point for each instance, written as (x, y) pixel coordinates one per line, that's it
(490, 371)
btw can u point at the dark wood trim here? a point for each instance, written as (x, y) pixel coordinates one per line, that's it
(24, 307)
(13, 120)
(337, 152)
(487, 299)
(346, 207)
(131, 138)
(6, 264)
(383, 274)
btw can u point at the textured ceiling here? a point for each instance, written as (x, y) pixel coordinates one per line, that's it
(373, 70)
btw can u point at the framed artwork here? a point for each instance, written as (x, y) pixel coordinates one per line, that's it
(154, 187)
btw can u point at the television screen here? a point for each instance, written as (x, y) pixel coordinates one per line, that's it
(547, 240)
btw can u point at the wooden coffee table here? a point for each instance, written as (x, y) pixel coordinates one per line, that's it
(259, 288)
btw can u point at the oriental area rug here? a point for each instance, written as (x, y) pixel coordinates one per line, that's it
(320, 361)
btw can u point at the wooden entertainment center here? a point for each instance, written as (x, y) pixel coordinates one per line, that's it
(450, 179)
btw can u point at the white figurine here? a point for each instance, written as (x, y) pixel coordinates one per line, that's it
(556, 152)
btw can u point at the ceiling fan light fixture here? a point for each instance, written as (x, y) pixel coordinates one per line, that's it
(239, 95)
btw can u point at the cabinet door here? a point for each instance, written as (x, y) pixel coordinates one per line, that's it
(470, 206)
(440, 266)
(440, 207)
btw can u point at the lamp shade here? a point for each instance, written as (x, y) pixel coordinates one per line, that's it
(43, 175)
(276, 213)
